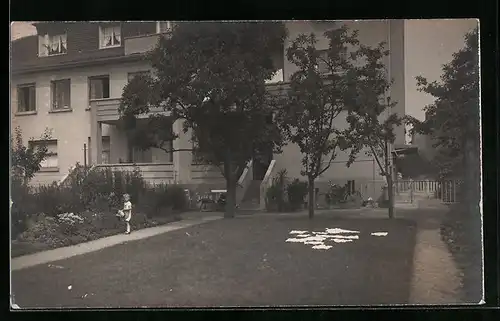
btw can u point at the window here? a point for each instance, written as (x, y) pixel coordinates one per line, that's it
(322, 65)
(142, 156)
(61, 93)
(110, 36)
(163, 26)
(197, 158)
(132, 75)
(51, 161)
(106, 149)
(99, 87)
(26, 98)
(50, 45)
(170, 148)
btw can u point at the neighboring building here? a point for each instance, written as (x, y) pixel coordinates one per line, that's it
(70, 76)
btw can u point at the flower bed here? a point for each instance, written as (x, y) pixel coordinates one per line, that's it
(85, 209)
(45, 232)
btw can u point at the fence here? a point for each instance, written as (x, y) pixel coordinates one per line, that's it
(448, 191)
(418, 186)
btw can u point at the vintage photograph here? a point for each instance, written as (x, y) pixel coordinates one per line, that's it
(245, 163)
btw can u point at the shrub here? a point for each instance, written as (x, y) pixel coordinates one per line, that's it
(43, 229)
(177, 198)
(296, 191)
(23, 205)
(161, 199)
(335, 194)
(119, 182)
(276, 193)
(135, 184)
(54, 200)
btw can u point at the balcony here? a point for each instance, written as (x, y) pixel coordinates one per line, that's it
(107, 110)
(140, 44)
(153, 173)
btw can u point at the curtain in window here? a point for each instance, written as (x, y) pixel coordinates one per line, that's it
(61, 94)
(23, 99)
(111, 36)
(96, 89)
(63, 42)
(163, 26)
(31, 98)
(26, 98)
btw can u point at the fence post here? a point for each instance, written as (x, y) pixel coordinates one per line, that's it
(411, 190)
(454, 191)
(447, 191)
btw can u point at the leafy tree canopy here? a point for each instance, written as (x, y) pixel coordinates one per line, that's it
(26, 160)
(453, 118)
(212, 77)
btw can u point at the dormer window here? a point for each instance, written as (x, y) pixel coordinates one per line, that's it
(51, 45)
(110, 36)
(163, 26)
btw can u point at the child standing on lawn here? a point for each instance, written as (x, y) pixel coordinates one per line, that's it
(126, 212)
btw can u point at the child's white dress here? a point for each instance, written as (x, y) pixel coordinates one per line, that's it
(127, 211)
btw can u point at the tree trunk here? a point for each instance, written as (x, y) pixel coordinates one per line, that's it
(230, 196)
(230, 186)
(388, 174)
(312, 201)
(390, 194)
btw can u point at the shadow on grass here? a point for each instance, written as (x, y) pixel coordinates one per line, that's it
(461, 233)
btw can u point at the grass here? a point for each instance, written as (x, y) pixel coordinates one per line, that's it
(462, 235)
(234, 262)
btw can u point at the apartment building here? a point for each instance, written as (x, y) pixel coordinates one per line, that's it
(70, 76)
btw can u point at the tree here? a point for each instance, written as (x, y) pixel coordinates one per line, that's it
(26, 160)
(211, 76)
(316, 98)
(452, 120)
(371, 123)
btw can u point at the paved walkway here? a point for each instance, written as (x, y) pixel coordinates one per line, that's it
(436, 278)
(189, 219)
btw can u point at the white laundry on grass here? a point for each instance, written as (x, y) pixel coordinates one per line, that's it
(318, 238)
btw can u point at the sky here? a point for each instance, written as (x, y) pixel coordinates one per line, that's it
(428, 45)
(21, 29)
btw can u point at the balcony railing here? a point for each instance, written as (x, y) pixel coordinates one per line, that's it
(108, 110)
(140, 44)
(153, 173)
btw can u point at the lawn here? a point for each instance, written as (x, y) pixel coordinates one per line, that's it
(462, 235)
(234, 262)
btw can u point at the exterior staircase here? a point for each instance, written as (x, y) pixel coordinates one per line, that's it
(251, 199)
